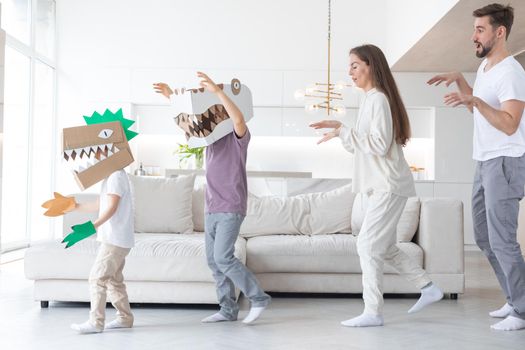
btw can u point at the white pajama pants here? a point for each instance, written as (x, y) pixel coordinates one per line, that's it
(376, 244)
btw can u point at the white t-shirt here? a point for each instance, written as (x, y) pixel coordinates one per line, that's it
(119, 229)
(505, 81)
(379, 163)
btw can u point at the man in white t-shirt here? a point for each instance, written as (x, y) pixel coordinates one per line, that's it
(497, 102)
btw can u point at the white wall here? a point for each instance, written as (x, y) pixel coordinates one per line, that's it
(110, 52)
(2, 58)
(225, 34)
(453, 129)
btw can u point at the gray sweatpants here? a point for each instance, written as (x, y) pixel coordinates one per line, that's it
(498, 188)
(222, 230)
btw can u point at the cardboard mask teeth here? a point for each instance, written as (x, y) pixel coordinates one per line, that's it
(76, 154)
(204, 123)
(213, 122)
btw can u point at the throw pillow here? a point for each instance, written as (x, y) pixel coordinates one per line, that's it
(163, 204)
(331, 212)
(275, 215)
(197, 204)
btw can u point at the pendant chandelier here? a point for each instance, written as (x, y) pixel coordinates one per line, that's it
(327, 95)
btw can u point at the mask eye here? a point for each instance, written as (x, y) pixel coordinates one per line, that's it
(105, 134)
(235, 86)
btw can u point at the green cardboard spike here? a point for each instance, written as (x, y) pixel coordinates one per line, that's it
(79, 233)
(108, 116)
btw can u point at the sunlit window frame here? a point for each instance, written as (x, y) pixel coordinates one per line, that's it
(34, 56)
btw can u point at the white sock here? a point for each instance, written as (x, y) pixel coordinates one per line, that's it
(217, 317)
(255, 312)
(429, 295)
(364, 320)
(116, 323)
(85, 328)
(511, 323)
(503, 312)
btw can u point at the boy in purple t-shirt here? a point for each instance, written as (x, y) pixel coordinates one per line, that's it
(226, 201)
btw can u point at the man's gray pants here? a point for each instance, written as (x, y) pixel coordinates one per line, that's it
(497, 190)
(222, 230)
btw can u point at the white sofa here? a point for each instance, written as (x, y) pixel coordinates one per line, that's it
(287, 242)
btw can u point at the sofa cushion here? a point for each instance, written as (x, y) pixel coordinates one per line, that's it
(408, 222)
(163, 204)
(331, 212)
(358, 213)
(155, 257)
(312, 213)
(270, 215)
(197, 207)
(313, 254)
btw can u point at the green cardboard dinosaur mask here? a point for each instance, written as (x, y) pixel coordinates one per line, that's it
(96, 150)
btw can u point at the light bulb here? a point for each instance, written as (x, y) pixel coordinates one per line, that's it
(340, 109)
(299, 95)
(310, 89)
(340, 85)
(310, 108)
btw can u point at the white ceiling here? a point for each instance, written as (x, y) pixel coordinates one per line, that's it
(447, 45)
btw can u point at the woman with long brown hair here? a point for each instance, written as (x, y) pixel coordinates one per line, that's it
(382, 176)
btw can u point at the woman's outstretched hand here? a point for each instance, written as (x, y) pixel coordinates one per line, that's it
(327, 124)
(329, 135)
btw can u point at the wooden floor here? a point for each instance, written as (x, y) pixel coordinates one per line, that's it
(291, 322)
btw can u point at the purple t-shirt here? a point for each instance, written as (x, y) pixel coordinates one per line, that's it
(227, 187)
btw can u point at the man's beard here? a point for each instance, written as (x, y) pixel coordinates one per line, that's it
(484, 49)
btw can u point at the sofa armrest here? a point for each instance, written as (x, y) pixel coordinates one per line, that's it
(440, 235)
(76, 217)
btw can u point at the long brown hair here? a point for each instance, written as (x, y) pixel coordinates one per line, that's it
(383, 80)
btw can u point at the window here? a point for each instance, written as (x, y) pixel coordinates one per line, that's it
(42, 151)
(45, 28)
(16, 19)
(27, 138)
(15, 145)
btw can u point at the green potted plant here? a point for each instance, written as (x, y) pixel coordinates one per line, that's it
(185, 153)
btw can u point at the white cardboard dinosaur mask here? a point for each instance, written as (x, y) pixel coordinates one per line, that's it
(201, 115)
